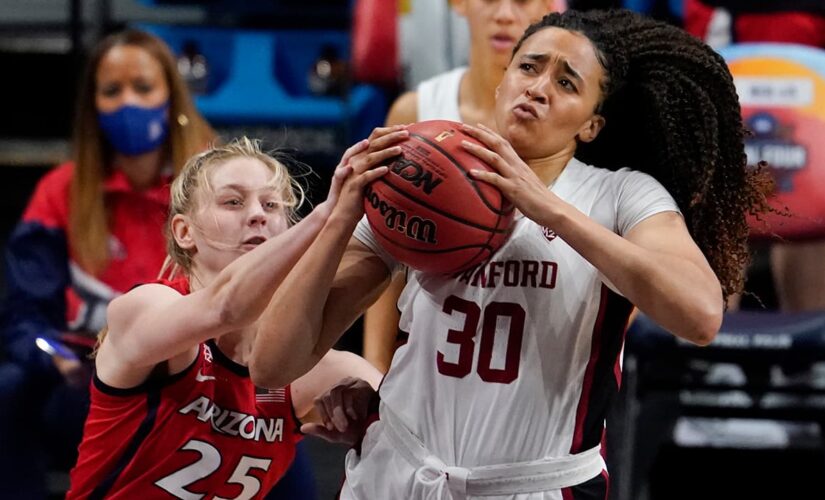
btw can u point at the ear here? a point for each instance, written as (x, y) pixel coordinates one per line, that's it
(181, 229)
(591, 128)
(459, 6)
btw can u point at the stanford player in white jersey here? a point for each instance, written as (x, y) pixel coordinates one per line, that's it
(534, 335)
(502, 389)
(462, 95)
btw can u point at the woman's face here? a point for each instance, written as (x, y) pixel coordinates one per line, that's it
(129, 75)
(239, 211)
(549, 94)
(496, 25)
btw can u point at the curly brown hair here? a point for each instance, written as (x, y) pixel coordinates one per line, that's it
(672, 111)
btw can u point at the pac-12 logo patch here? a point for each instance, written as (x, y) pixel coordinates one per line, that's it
(548, 233)
(444, 135)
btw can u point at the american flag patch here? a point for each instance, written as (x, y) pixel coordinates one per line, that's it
(270, 395)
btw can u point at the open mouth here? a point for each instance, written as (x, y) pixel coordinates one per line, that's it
(255, 240)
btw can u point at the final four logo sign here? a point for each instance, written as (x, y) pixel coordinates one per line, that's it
(781, 89)
(773, 142)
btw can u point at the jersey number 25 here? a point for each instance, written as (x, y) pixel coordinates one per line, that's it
(209, 462)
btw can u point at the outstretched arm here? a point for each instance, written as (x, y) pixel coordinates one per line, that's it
(656, 265)
(153, 323)
(331, 285)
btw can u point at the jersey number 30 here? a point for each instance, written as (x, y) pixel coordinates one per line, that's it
(465, 339)
(209, 462)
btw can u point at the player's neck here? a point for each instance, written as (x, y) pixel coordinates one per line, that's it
(549, 168)
(199, 277)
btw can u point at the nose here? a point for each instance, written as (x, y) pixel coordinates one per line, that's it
(257, 216)
(504, 12)
(536, 93)
(126, 97)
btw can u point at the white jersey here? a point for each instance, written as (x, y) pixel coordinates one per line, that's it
(518, 359)
(438, 96)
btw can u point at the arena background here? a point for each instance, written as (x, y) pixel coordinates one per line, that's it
(41, 52)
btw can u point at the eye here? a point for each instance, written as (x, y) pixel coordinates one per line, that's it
(143, 87)
(270, 205)
(233, 202)
(567, 84)
(527, 67)
(110, 90)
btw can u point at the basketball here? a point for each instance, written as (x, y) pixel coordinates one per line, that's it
(427, 212)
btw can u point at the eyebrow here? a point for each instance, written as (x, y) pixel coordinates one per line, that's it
(575, 74)
(540, 58)
(243, 189)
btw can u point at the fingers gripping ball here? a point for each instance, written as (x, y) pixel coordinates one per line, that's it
(428, 213)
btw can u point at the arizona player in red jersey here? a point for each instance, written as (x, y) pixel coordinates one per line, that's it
(174, 412)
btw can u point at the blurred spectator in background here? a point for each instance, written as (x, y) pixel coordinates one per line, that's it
(92, 230)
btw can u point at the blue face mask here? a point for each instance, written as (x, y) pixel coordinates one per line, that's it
(133, 130)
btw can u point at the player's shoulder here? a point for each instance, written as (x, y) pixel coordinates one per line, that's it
(607, 178)
(404, 109)
(448, 78)
(140, 298)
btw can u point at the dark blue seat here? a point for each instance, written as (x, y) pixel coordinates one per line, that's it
(744, 336)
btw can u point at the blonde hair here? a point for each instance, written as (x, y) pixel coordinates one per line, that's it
(194, 178)
(188, 134)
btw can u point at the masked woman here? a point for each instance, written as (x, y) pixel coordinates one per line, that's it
(92, 229)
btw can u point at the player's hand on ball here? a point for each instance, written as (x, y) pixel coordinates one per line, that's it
(367, 161)
(342, 171)
(342, 411)
(516, 181)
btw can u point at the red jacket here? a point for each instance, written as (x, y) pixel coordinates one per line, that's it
(48, 293)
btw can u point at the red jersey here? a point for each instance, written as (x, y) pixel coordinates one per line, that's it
(206, 432)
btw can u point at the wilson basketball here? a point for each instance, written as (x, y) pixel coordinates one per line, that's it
(428, 212)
